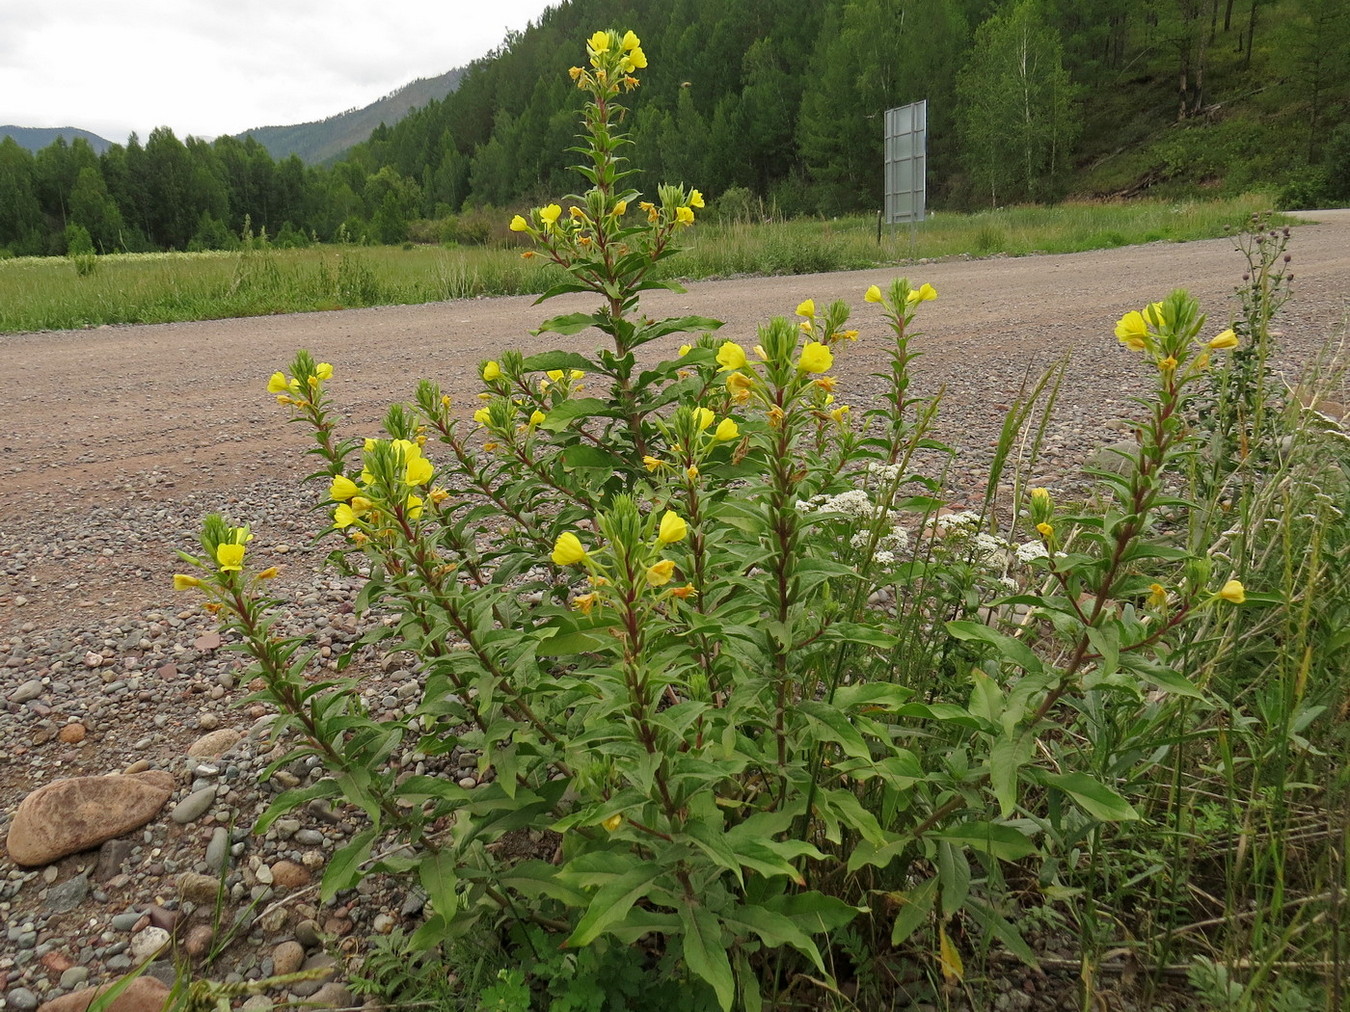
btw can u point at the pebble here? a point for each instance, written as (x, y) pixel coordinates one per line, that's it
(194, 806)
(30, 689)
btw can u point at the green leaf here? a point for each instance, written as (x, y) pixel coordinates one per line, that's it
(706, 955)
(612, 902)
(436, 871)
(1008, 754)
(992, 838)
(998, 926)
(986, 699)
(813, 912)
(1011, 649)
(344, 867)
(585, 455)
(568, 323)
(1167, 679)
(1094, 797)
(832, 724)
(773, 931)
(915, 908)
(577, 407)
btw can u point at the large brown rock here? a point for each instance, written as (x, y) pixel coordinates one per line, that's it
(66, 816)
(144, 994)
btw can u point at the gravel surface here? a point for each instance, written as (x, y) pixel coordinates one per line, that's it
(115, 441)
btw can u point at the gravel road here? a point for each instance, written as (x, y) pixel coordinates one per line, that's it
(114, 441)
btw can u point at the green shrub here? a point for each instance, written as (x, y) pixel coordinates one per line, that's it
(749, 705)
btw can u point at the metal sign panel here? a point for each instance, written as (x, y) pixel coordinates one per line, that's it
(906, 148)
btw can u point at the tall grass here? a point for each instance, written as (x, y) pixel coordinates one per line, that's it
(39, 293)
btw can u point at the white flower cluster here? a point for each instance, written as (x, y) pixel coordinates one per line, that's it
(855, 503)
(1030, 551)
(883, 472)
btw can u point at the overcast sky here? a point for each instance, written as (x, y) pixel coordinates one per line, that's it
(211, 67)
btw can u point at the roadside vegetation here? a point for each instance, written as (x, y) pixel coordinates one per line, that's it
(738, 237)
(760, 723)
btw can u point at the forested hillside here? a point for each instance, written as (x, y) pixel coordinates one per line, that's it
(772, 100)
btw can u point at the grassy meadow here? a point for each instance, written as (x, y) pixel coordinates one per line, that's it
(56, 293)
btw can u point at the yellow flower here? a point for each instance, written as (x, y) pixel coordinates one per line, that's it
(344, 516)
(554, 374)
(585, 602)
(672, 529)
(491, 371)
(691, 472)
(1233, 592)
(739, 386)
(342, 489)
(652, 463)
(1153, 313)
(1040, 496)
(414, 506)
(1132, 331)
(684, 215)
(567, 550)
(613, 822)
(519, 224)
(270, 573)
(1223, 340)
(1157, 595)
(695, 199)
(775, 414)
(1167, 364)
(840, 413)
(826, 383)
(731, 356)
(620, 208)
(536, 418)
(417, 471)
(659, 574)
(873, 294)
(549, 215)
(629, 41)
(703, 418)
(184, 582)
(807, 309)
(277, 384)
(598, 43)
(482, 416)
(924, 293)
(324, 371)
(683, 592)
(230, 557)
(726, 429)
(637, 60)
(815, 358)
(685, 349)
(1046, 530)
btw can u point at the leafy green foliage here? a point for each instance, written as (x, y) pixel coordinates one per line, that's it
(713, 636)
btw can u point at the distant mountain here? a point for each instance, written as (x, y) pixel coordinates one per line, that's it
(36, 138)
(324, 140)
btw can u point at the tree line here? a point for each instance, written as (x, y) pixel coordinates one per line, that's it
(775, 100)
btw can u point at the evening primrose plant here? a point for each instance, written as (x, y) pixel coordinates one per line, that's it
(732, 676)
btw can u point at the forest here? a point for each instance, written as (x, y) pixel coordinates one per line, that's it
(772, 108)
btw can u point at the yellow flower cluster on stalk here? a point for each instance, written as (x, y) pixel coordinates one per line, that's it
(1168, 332)
(392, 470)
(656, 570)
(290, 390)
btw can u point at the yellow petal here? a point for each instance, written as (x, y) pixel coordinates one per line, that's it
(672, 529)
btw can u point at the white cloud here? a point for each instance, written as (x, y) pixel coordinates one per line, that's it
(203, 67)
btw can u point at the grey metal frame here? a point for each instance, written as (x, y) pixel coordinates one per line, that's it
(906, 163)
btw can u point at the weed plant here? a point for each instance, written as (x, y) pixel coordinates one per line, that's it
(760, 723)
